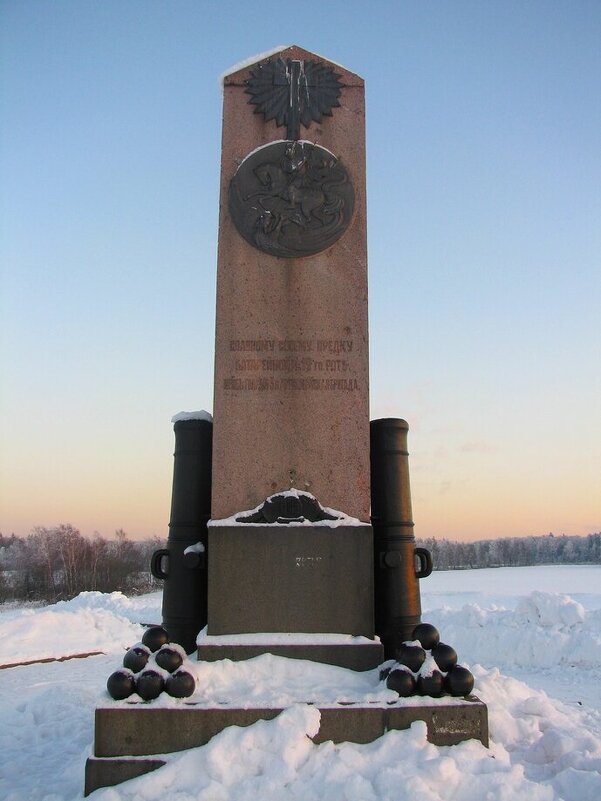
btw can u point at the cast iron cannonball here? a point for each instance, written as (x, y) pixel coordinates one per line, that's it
(459, 681)
(154, 637)
(384, 672)
(432, 685)
(412, 656)
(136, 658)
(149, 685)
(402, 682)
(168, 658)
(445, 656)
(180, 684)
(121, 684)
(427, 634)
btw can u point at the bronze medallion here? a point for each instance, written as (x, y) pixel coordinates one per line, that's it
(291, 199)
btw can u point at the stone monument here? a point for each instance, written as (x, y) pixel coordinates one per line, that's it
(287, 561)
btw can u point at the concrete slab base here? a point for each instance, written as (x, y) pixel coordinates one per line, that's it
(141, 730)
(365, 656)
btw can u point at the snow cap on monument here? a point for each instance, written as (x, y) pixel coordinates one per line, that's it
(238, 73)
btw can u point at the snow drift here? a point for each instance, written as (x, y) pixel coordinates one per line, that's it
(542, 749)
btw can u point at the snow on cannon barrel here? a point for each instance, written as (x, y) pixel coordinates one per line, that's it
(398, 564)
(183, 564)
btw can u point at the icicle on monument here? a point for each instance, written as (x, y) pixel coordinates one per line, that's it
(272, 548)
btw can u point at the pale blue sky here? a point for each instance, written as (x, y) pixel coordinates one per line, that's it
(484, 209)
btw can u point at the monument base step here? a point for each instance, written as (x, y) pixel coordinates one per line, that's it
(108, 772)
(127, 731)
(363, 656)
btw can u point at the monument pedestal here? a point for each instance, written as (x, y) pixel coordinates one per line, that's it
(307, 587)
(301, 578)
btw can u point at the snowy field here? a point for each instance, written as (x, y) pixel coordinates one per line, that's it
(532, 637)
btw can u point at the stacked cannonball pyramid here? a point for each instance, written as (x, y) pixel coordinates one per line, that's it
(150, 667)
(426, 666)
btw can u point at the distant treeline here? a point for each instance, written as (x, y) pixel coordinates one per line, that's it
(550, 549)
(53, 564)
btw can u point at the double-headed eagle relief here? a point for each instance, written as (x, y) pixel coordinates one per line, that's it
(292, 198)
(294, 93)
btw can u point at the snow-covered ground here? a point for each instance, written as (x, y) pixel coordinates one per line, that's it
(532, 637)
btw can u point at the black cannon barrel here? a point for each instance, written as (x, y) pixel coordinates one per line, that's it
(185, 573)
(398, 564)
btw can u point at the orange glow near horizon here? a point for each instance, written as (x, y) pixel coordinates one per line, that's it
(470, 506)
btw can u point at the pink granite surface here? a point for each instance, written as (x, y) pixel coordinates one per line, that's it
(291, 353)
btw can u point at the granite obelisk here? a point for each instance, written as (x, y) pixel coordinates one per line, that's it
(291, 354)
